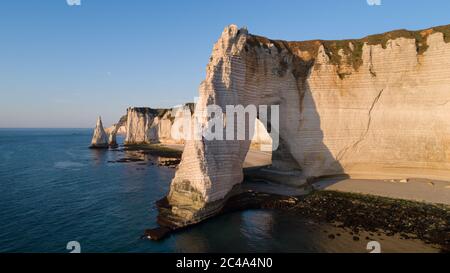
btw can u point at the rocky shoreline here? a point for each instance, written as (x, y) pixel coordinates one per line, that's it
(149, 153)
(356, 213)
(154, 150)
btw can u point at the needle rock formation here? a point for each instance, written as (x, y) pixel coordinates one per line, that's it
(100, 138)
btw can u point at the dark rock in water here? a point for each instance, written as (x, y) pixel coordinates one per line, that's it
(127, 160)
(156, 234)
(154, 150)
(169, 162)
(113, 145)
(99, 147)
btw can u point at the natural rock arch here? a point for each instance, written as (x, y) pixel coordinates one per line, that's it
(375, 107)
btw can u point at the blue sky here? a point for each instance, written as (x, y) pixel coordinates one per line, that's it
(62, 66)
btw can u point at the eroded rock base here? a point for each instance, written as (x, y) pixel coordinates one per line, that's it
(175, 216)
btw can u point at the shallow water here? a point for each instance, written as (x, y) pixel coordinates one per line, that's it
(54, 190)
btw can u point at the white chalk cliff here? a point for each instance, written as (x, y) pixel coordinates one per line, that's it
(143, 125)
(100, 138)
(376, 107)
(147, 125)
(139, 121)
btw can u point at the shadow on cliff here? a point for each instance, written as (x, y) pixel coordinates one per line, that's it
(319, 161)
(305, 158)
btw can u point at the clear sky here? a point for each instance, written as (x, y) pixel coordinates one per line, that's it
(62, 66)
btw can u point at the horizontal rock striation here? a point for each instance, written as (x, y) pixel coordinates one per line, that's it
(139, 122)
(376, 107)
(147, 125)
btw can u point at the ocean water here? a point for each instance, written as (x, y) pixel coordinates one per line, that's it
(54, 190)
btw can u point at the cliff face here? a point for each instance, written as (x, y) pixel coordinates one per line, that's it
(373, 107)
(147, 125)
(139, 121)
(162, 130)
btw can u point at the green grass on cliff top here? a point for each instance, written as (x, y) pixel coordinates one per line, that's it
(353, 48)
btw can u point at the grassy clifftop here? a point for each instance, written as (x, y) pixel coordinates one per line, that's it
(351, 48)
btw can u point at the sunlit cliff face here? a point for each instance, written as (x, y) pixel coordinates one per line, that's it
(374, 107)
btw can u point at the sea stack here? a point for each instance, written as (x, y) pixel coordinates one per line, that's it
(100, 138)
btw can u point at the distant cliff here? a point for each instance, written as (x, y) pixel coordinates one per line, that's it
(376, 107)
(147, 125)
(144, 125)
